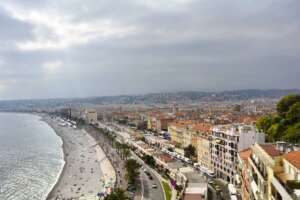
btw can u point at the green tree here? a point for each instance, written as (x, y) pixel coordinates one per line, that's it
(149, 160)
(293, 115)
(292, 134)
(117, 194)
(190, 151)
(132, 170)
(286, 102)
(125, 151)
(118, 146)
(284, 125)
(264, 123)
(273, 133)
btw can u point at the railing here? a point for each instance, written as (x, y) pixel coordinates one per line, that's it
(289, 186)
(281, 188)
(258, 168)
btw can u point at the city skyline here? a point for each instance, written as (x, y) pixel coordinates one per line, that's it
(67, 48)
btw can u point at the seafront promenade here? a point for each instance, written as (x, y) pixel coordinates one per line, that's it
(112, 155)
(87, 170)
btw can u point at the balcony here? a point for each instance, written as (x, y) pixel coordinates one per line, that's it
(279, 190)
(255, 191)
(258, 167)
(285, 186)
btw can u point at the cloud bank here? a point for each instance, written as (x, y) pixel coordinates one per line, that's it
(89, 48)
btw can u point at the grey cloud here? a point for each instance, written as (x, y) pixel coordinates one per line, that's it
(200, 45)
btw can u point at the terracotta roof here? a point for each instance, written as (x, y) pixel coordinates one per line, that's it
(182, 123)
(271, 150)
(247, 119)
(202, 127)
(245, 154)
(294, 158)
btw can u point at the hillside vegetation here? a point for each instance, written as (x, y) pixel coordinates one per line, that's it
(285, 124)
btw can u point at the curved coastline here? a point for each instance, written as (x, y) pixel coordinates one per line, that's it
(105, 171)
(60, 174)
(102, 167)
(40, 118)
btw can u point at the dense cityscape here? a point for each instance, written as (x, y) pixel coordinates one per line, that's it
(149, 100)
(225, 149)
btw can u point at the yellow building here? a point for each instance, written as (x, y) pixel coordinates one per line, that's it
(201, 142)
(180, 132)
(185, 133)
(273, 174)
(285, 182)
(203, 152)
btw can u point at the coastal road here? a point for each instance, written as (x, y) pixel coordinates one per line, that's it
(148, 192)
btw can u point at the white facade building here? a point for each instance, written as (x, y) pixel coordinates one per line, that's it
(227, 141)
(90, 116)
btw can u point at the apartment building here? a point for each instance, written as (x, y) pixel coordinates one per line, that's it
(192, 132)
(90, 116)
(201, 142)
(180, 132)
(274, 174)
(227, 141)
(286, 183)
(243, 184)
(159, 121)
(203, 151)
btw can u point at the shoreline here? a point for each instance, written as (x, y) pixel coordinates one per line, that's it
(41, 117)
(105, 171)
(63, 168)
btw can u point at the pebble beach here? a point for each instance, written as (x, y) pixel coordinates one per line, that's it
(87, 171)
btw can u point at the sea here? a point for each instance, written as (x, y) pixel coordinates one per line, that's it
(31, 157)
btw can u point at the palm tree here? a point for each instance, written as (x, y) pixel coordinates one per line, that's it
(132, 170)
(126, 153)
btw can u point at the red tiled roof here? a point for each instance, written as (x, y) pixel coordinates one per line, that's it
(294, 158)
(182, 123)
(245, 154)
(247, 119)
(202, 127)
(271, 150)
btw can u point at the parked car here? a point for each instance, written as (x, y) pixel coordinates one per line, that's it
(149, 175)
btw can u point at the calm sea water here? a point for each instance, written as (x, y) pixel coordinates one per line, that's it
(30, 157)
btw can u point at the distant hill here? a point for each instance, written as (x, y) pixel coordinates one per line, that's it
(153, 98)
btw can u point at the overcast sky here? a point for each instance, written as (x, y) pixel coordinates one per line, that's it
(76, 48)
